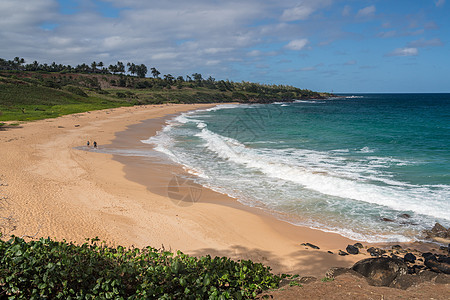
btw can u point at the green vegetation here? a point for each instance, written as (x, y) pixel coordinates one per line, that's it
(37, 91)
(24, 100)
(61, 270)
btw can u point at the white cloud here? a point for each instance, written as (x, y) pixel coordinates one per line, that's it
(254, 53)
(181, 37)
(387, 34)
(386, 25)
(431, 25)
(164, 56)
(22, 14)
(346, 11)
(303, 10)
(425, 43)
(439, 3)
(366, 11)
(297, 44)
(404, 52)
(216, 50)
(196, 34)
(300, 12)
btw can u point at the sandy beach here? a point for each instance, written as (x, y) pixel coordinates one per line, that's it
(55, 190)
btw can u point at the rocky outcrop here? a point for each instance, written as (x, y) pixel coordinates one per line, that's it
(338, 271)
(381, 271)
(409, 257)
(439, 264)
(351, 249)
(398, 267)
(310, 245)
(376, 251)
(438, 233)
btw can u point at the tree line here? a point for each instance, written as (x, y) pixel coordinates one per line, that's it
(241, 90)
(19, 64)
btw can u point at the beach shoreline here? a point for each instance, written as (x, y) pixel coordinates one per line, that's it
(56, 190)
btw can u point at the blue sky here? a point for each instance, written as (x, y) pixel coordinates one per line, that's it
(324, 45)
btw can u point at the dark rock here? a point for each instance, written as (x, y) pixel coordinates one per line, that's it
(427, 275)
(330, 252)
(358, 245)
(307, 279)
(415, 269)
(394, 256)
(381, 271)
(427, 254)
(352, 249)
(443, 258)
(409, 257)
(438, 231)
(77, 125)
(436, 266)
(337, 271)
(397, 247)
(310, 245)
(375, 251)
(387, 220)
(405, 216)
(442, 279)
(406, 281)
(342, 253)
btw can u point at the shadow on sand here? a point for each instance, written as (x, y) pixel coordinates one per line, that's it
(303, 262)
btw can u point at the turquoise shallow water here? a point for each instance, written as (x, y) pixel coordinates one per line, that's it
(340, 165)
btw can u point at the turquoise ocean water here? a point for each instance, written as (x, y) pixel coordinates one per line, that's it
(372, 167)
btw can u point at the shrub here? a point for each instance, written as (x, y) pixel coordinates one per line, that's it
(50, 269)
(121, 95)
(77, 91)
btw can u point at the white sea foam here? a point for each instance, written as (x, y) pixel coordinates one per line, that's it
(308, 101)
(366, 150)
(354, 97)
(201, 125)
(337, 179)
(324, 182)
(341, 150)
(220, 106)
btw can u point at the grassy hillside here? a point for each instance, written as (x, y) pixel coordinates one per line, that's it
(26, 95)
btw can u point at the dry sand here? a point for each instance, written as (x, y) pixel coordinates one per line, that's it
(66, 193)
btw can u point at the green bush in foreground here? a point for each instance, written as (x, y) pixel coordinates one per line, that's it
(51, 269)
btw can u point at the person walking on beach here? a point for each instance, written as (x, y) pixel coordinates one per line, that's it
(95, 144)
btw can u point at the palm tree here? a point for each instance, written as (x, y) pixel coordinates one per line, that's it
(155, 72)
(100, 65)
(120, 67)
(94, 66)
(141, 70)
(131, 68)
